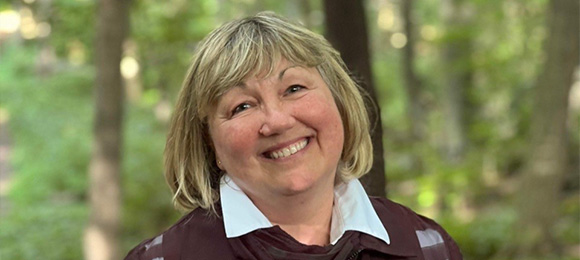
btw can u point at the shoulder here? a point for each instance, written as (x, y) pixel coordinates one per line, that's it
(197, 233)
(386, 208)
(392, 211)
(429, 234)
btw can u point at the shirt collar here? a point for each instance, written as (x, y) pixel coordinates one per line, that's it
(352, 211)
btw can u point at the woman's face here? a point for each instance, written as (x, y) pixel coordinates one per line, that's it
(280, 135)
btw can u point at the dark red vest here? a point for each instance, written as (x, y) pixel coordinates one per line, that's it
(200, 235)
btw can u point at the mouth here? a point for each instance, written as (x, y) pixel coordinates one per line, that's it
(288, 150)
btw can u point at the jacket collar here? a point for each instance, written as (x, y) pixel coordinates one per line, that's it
(400, 224)
(352, 211)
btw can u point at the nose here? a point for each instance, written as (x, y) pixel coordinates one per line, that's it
(276, 120)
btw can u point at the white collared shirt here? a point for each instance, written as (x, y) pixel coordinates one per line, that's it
(352, 210)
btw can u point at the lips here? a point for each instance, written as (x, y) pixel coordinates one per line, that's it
(288, 150)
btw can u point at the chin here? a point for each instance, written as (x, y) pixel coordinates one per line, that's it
(298, 186)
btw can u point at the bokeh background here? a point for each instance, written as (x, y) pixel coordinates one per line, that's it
(479, 130)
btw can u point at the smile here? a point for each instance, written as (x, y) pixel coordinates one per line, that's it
(288, 150)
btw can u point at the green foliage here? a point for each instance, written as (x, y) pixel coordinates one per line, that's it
(470, 198)
(485, 235)
(72, 23)
(388, 85)
(54, 131)
(49, 156)
(48, 231)
(50, 121)
(44, 127)
(165, 33)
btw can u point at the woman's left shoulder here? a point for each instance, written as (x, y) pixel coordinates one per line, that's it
(388, 208)
(429, 233)
(199, 233)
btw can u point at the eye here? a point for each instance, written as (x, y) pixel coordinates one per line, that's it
(293, 89)
(240, 108)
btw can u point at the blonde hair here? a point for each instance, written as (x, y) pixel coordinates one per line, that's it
(225, 58)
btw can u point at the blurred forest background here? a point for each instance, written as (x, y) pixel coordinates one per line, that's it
(479, 102)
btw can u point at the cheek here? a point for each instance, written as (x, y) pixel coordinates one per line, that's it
(233, 141)
(324, 116)
(335, 131)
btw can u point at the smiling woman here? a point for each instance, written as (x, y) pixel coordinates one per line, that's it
(267, 142)
(285, 143)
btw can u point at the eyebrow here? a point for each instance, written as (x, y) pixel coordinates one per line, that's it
(284, 71)
(241, 85)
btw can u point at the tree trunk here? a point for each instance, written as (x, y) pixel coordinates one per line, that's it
(413, 84)
(546, 164)
(346, 29)
(102, 233)
(457, 76)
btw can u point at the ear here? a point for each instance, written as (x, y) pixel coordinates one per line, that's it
(219, 163)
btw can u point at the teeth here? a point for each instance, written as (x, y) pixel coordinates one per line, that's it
(290, 150)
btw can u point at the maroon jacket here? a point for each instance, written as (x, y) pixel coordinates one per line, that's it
(201, 235)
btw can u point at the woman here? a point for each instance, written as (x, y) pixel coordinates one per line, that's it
(265, 147)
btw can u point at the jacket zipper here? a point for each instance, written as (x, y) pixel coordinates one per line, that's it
(354, 255)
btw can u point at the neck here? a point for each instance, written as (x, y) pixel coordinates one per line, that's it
(305, 216)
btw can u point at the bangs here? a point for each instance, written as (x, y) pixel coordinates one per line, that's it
(253, 47)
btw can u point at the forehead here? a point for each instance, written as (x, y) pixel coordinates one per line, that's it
(276, 72)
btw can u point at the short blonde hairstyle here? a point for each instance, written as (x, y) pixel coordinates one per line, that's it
(225, 58)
